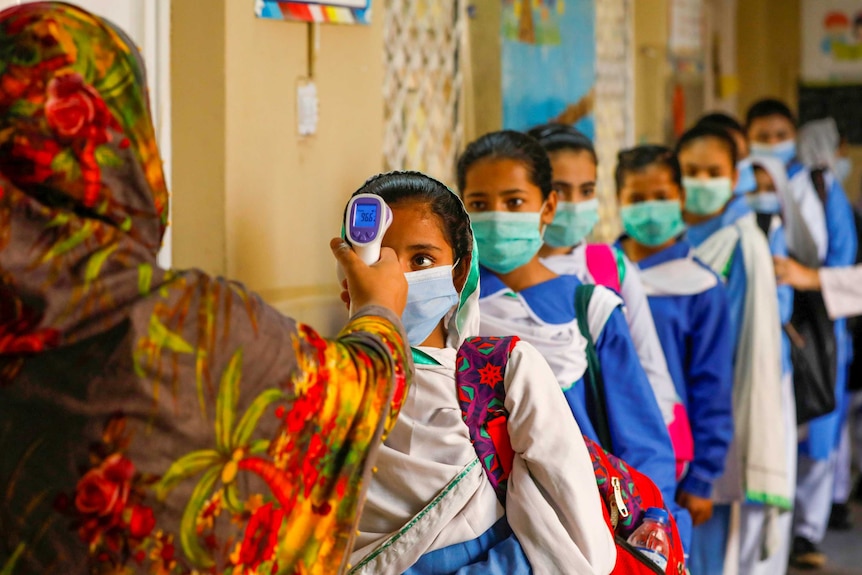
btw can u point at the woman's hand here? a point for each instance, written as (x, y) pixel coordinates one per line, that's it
(699, 507)
(380, 284)
(796, 275)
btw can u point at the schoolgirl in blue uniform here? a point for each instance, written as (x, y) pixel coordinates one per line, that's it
(690, 308)
(505, 182)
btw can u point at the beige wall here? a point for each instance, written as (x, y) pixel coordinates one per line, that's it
(769, 44)
(652, 99)
(252, 198)
(484, 101)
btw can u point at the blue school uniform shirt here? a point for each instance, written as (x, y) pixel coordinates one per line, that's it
(824, 432)
(637, 429)
(694, 331)
(736, 282)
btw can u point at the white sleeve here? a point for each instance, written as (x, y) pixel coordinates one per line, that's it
(842, 291)
(553, 504)
(647, 344)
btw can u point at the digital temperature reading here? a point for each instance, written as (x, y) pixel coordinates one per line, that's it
(366, 216)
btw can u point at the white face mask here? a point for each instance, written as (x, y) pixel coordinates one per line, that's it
(431, 294)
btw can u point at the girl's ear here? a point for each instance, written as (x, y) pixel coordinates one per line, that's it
(550, 209)
(462, 272)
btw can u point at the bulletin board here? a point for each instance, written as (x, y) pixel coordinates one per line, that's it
(844, 103)
(331, 11)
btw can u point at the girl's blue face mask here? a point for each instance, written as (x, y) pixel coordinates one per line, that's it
(574, 221)
(764, 203)
(431, 294)
(507, 240)
(784, 151)
(747, 182)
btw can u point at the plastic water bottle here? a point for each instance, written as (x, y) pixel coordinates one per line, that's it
(651, 537)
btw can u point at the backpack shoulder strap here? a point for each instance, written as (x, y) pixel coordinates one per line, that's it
(480, 378)
(593, 378)
(603, 265)
(818, 178)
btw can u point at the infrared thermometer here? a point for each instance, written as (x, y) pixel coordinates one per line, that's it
(367, 219)
(365, 223)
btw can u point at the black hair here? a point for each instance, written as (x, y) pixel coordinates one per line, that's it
(509, 145)
(639, 158)
(769, 107)
(398, 187)
(726, 121)
(555, 137)
(701, 131)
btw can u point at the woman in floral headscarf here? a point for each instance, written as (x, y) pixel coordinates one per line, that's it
(154, 421)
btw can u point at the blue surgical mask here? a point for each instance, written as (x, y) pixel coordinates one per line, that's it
(746, 182)
(431, 294)
(705, 197)
(843, 169)
(574, 221)
(507, 240)
(764, 202)
(653, 223)
(784, 151)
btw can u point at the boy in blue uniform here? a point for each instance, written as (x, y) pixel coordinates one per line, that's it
(828, 220)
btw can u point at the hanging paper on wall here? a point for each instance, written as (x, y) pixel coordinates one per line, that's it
(332, 11)
(549, 63)
(832, 41)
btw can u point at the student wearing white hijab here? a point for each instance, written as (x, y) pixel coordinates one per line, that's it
(430, 508)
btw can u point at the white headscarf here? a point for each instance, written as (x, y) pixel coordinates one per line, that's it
(818, 143)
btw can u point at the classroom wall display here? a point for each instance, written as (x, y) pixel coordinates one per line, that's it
(831, 40)
(332, 11)
(548, 63)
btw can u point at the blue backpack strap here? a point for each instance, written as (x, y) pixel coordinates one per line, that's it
(596, 399)
(480, 379)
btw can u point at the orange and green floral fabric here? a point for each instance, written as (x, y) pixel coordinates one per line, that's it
(154, 421)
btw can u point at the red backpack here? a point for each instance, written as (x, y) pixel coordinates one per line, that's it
(626, 493)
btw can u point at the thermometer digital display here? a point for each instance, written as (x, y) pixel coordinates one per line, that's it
(365, 223)
(366, 215)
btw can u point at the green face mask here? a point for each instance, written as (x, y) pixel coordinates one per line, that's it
(705, 197)
(573, 222)
(653, 223)
(506, 240)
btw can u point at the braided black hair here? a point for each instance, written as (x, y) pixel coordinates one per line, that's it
(398, 187)
(509, 145)
(556, 137)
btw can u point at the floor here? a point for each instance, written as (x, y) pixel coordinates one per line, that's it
(844, 549)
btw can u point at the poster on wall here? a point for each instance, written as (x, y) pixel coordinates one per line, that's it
(332, 11)
(549, 63)
(832, 41)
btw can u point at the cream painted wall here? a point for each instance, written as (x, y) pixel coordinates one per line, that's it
(652, 99)
(768, 57)
(253, 199)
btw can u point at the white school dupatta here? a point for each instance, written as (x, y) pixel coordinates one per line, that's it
(678, 277)
(758, 449)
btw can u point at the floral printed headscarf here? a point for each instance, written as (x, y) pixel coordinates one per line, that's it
(154, 421)
(74, 119)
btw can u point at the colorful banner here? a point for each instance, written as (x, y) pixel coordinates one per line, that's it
(332, 11)
(549, 63)
(832, 41)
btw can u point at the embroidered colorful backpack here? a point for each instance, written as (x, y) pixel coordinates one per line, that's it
(625, 492)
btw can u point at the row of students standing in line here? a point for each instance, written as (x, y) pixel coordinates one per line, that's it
(714, 300)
